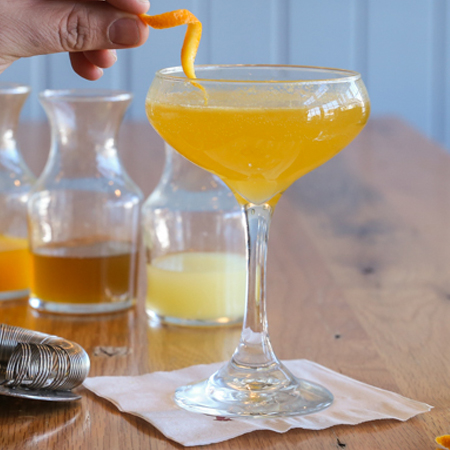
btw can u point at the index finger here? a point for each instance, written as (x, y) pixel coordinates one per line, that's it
(131, 6)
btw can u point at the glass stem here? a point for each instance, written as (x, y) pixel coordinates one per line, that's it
(254, 348)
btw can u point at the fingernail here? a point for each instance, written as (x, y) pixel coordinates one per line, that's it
(113, 52)
(124, 31)
(146, 3)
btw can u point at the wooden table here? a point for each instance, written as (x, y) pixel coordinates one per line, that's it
(358, 280)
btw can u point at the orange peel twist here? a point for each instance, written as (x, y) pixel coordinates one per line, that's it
(444, 441)
(191, 39)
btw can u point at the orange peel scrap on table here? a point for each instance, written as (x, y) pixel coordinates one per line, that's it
(191, 39)
(444, 441)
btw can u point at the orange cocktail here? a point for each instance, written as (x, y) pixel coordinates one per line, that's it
(258, 151)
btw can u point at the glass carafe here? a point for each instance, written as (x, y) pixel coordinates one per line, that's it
(195, 252)
(84, 210)
(15, 184)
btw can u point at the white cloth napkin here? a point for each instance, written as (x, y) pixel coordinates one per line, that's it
(150, 396)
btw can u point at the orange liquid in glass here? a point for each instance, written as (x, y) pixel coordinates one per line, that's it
(14, 264)
(258, 151)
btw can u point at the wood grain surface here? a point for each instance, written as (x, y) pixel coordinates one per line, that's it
(358, 280)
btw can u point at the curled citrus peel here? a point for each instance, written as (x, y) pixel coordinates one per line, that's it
(191, 39)
(444, 441)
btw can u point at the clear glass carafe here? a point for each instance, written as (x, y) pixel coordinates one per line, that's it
(84, 210)
(15, 184)
(195, 250)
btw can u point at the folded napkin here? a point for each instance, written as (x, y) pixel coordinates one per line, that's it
(150, 396)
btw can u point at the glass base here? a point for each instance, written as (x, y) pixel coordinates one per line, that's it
(79, 308)
(221, 321)
(10, 295)
(263, 392)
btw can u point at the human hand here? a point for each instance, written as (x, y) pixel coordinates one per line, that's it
(89, 30)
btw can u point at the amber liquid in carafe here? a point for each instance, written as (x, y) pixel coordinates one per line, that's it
(92, 273)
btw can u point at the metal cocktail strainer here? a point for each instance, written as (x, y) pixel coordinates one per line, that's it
(40, 366)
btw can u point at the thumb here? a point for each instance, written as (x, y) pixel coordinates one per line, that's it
(62, 26)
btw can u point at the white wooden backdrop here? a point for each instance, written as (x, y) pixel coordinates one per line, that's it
(401, 47)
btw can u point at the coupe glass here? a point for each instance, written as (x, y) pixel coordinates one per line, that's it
(259, 128)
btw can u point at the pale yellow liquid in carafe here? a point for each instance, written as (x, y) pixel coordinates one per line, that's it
(200, 286)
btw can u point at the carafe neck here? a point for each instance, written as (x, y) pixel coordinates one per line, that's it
(84, 131)
(12, 98)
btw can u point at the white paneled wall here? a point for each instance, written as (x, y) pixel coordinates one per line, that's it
(401, 47)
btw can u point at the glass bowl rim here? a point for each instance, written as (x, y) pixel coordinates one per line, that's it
(85, 95)
(8, 87)
(351, 75)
